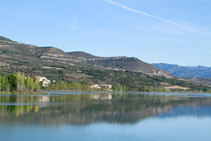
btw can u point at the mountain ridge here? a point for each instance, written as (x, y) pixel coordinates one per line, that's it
(32, 54)
(186, 71)
(121, 63)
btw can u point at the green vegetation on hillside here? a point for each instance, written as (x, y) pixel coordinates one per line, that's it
(136, 81)
(81, 79)
(68, 86)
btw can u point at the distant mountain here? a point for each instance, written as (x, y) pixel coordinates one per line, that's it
(186, 71)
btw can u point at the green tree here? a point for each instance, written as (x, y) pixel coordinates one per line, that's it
(32, 85)
(4, 83)
(0, 82)
(28, 83)
(37, 83)
(13, 82)
(20, 82)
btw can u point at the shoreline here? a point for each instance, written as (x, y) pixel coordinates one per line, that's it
(46, 92)
(129, 92)
(125, 91)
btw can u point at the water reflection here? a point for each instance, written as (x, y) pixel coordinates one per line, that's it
(98, 108)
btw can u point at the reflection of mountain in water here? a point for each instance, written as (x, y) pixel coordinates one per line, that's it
(87, 109)
(202, 111)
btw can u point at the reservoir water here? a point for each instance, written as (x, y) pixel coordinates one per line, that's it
(88, 116)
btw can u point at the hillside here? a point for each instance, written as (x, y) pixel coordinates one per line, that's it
(17, 54)
(121, 63)
(123, 73)
(186, 71)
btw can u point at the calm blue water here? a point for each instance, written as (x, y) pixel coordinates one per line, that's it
(105, 116)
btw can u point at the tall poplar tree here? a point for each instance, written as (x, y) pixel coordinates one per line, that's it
(37, 83)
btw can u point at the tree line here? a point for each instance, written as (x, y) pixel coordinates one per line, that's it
(68, 86)
(125, 88)
(18, 82)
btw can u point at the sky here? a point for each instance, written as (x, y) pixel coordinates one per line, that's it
(155, 31)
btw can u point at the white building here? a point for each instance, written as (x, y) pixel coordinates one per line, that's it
(107, 86)
(95, 86)
(45, 82)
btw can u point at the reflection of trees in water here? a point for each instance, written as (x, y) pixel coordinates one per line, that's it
(17, 105)
(85, 109)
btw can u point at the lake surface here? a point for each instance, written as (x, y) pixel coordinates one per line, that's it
(88, 116)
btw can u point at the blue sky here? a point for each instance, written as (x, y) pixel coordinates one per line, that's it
(168, 31)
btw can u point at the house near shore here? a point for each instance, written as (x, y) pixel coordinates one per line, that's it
(105, 86)
(45, 82)
(95, 86)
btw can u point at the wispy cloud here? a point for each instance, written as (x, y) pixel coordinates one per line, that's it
(147, 14)
(153, 28)
(74, 24)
